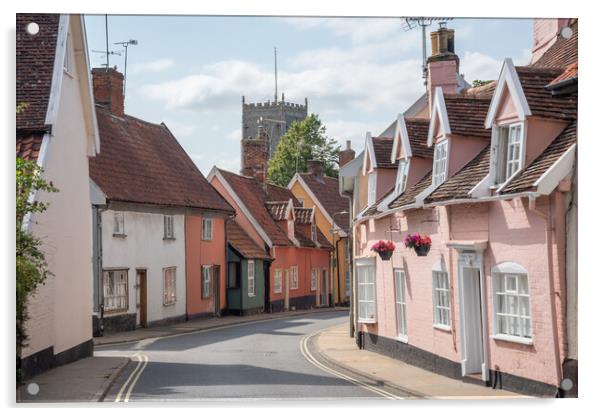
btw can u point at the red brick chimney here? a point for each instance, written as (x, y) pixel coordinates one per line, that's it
(255, 155)
(443, 64)
(316, 168)
(108, 89)
(346, 155)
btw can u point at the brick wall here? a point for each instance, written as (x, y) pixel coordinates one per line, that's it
(108, 89)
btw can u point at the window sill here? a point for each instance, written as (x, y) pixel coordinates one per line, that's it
(367, 320)
(115, 312)
(440, 327)
(119, 235)
(250, 295)
(206, 239)
(169, 238)
(169, 304)
(402, 339)
(512, 338)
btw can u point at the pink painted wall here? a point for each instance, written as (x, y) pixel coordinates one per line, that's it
(507, 112)
(540, 133)
(199, 253)
(419, 166)
(385, 179)
(442, 74)
(462, 150)
(515, 234)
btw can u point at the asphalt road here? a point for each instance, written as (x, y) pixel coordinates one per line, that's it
(260, 360)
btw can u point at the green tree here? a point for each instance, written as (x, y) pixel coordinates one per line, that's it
(480, 82)
(305, 140)
(31, 266)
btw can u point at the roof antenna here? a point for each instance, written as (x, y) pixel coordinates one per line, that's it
(275, 76)
(107, 38)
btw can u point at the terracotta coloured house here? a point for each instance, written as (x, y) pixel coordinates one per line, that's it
(316, 190)
(57, 129)
(159, 226)
(495, 297)
(297, 276)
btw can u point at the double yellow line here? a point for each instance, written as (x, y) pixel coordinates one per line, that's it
(131, 381)
(309, 357)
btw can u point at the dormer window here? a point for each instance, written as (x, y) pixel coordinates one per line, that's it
(440, 163)
(509, 157)
(402, 176)
(371, 188)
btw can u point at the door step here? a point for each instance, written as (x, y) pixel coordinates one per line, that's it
(474, 379)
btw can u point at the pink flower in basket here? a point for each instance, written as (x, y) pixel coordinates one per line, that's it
(383, 246)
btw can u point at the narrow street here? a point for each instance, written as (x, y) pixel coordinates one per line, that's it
(261, 360)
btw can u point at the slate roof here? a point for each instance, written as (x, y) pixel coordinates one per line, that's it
(143, 162)
(409, 195)
(541, 101)
(467, 114)
(34, 68)
(28, 146)
(418, 129)
(326, 190)
(525, 180)
(382, 151)
(303, 215)
(243, 243)
(458, 186)
(563, 52)
(254, 197)
(277, 209)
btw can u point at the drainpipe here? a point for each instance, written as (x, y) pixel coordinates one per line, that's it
(450, 273)
(98, 260)
(338, 277)
(547, 217)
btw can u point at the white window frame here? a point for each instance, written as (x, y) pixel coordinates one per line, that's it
(402, 176)
(68, 61)
(400, 304)
(251, 278)
(314, 279)
(207, 229)
(366, 277)
(441, 300)
(440, 162)
(206, 274)
(169, 286)
(278, 281)
(118, 224)
(294, 277)
(510, 150)
(168, 227)
(115, 293)
(371, 188)
(511, 283)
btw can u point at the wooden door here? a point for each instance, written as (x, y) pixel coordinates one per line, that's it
(141, 297)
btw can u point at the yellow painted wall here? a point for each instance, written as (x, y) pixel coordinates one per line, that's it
(325, 226)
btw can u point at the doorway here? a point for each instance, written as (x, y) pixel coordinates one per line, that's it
(324, 288)
(473, 361)
(141, 298)
(216, 292)
(286, 287)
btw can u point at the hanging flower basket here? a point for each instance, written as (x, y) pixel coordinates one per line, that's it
(384, 249)
(420, 243)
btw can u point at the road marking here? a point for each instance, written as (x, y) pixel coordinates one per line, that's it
(309, 357)
(133, 378)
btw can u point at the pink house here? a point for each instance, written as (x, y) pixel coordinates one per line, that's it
(494, 301)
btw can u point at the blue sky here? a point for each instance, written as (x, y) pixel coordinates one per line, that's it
(191, 71)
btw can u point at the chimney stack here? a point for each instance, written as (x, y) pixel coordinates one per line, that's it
(346, 155)
(316, 168)
(108, 89)
(443, 64)
(255, 155)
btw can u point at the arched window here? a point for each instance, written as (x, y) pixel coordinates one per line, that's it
(441, 302)
(511, 302)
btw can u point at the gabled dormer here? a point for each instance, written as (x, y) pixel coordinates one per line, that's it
(378, 173)
(523, 119)
(283, 212)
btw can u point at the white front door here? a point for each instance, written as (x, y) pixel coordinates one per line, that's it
(472, 321)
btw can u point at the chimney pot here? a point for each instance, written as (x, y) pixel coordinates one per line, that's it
(346, 155)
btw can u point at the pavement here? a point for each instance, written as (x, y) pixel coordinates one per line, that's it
(198, 325)
(85, 380)
(334, 348)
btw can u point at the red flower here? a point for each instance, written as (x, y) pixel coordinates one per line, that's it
(382, 245)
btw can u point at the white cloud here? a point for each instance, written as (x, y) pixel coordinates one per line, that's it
(152, 66)
(475, 65)
(343, 130)
(180, 129)
(359, 29)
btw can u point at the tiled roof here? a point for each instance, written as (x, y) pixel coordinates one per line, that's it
(458, 186)
(563, 52)
(372, 210)
(303, 236)
(483, 91)
(466, 115)
(254, 197)
(525, 181)
(382, 149)
(277, 209)
(418, 129)
(409, 195)
(280, 193)
(34, 65)
(28, 146)
(326, 191)
(541, 101)
(569, 73)
(241, 242)
(303, 215)
(144, 163)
